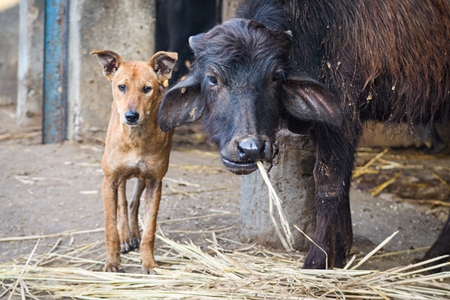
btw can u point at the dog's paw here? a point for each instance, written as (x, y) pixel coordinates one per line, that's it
(125, 247)
(135, 242)
(148, 265)
(129, 245)
(149, 270)
(114, 268)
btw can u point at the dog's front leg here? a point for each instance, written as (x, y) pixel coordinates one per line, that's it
(110, 198)
(152, 199)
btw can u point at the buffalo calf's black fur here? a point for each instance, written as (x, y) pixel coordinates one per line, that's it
(319, 67)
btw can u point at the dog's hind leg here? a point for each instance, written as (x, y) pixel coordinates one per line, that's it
(122, 212)
(133, 213)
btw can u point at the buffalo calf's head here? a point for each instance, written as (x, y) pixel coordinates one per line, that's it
(241, 85)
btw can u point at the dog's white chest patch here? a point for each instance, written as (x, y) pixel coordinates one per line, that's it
(136, 162)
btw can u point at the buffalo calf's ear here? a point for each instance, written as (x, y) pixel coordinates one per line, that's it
(181, 104)
(193, 41)
(110, 61)
(309, 100)
(163, 62)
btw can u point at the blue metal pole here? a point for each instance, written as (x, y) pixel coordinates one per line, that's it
(55, 39)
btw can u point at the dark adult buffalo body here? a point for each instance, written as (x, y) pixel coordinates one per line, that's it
(319, 67)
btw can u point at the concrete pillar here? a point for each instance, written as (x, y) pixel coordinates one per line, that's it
(292, 177)
(9, 38)
(30, 72)
(126, 27)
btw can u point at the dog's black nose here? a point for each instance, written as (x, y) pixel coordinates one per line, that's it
(131, 117)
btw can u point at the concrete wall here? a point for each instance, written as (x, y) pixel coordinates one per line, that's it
(126, 27)
(9, 41)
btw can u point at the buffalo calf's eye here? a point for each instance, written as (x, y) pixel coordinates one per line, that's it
(212, 80)
(146, 89)
(122, 87)
(277, 76)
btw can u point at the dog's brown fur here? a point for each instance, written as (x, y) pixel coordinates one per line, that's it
(135, 147)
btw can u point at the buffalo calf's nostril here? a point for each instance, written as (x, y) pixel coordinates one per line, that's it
(251, 149)
(132, 116)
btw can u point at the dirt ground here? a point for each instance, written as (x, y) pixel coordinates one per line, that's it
(46, 190)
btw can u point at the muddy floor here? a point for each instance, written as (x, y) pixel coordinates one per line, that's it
(46, 190)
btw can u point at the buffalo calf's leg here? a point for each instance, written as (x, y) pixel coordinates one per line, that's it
(332, 175)
(441, 246)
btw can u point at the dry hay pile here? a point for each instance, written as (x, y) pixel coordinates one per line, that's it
(186, 272)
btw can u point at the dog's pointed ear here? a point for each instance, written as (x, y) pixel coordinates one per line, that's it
(109, 60)
(163, 62)
(181, 104)
(309, 100)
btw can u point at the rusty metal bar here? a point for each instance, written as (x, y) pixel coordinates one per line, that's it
(55, 50)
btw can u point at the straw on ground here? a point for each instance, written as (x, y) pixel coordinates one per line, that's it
(187, 272)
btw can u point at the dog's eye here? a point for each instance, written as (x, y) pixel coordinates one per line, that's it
(212, 80)
(122, 87)
(146, 89)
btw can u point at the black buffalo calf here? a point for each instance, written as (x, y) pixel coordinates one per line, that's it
(320, 67)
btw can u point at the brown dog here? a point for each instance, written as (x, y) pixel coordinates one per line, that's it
(135, 147)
